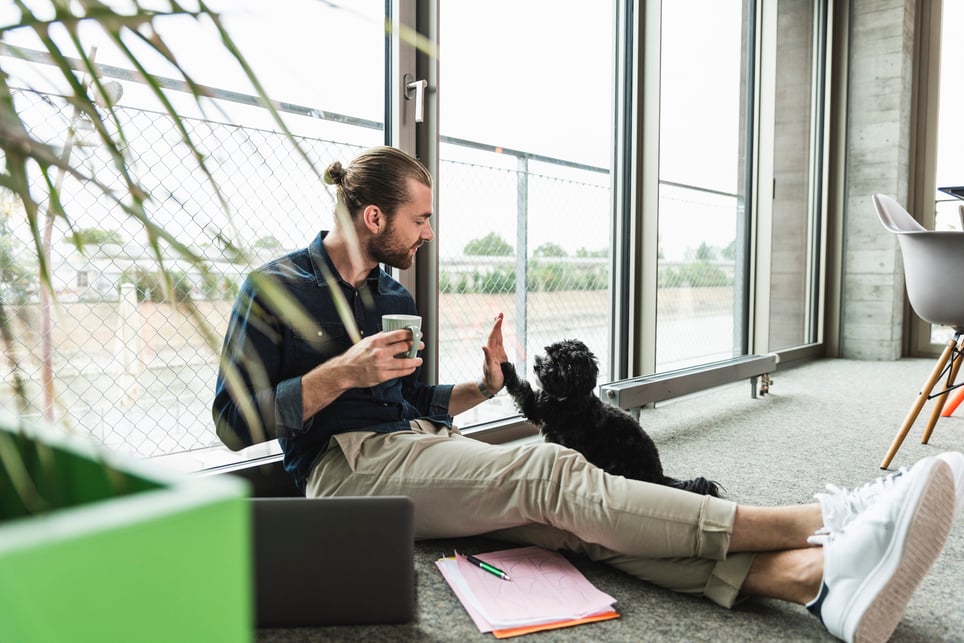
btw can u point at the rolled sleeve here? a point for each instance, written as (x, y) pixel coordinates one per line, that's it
(441, 397)
(288, 410)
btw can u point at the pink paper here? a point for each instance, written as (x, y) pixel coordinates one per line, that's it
(545, 587)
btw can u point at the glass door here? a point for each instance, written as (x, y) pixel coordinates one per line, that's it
(701, 306)
(524, 181)
(797, 175)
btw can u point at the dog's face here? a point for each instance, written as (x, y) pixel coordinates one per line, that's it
(568, 369)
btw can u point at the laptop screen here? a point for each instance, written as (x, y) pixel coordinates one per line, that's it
(955, 191)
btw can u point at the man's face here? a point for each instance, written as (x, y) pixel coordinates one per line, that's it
(406, 231)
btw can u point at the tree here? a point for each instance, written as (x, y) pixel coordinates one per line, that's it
(729, 252)
(491, 245)
(269, 244)
(18, 279)
(585, 252)
(549, 249)
(705, 252)
(95, 237)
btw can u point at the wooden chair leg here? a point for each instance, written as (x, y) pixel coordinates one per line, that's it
(919, 403)
(941, 399)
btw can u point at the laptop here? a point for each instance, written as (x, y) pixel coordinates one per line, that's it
(955, 191)
(333, 561)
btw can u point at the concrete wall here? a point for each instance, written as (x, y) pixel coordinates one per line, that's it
(881, 61)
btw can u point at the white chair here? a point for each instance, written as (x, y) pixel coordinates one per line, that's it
(934, 278)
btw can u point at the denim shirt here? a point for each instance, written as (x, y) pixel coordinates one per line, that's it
(270, 353)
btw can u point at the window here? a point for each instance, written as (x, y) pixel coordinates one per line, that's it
(129, 365)
(524, 182)
(949, 167)
(797, 170)
(704, 120)
(938, 135)
(532, 186)
(950, 154)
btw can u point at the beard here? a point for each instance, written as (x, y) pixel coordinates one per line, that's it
(388, 249)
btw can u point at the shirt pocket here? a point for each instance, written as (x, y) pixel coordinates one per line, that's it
(317, 343)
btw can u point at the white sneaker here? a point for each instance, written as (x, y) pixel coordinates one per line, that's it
(873, 565)
(840, 506)
(955, 460)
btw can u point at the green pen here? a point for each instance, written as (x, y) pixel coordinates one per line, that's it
(487, 567)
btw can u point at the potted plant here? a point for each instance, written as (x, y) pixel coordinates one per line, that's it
(99, 547)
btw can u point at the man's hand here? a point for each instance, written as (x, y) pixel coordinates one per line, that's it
(372, 360)
(495, 354)
(368, 363)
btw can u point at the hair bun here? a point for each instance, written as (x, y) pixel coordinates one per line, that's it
(334, 174)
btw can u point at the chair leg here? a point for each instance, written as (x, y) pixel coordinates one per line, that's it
(919, 403)
(941, 399)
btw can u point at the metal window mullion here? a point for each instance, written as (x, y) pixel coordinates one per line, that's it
(426, 142)
(764, 127)
(815, 246)
(743, 305)
(622, 263)
(522, 253)
(647, 94)
(400, 60)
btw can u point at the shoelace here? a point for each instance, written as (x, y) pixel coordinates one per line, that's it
(840, 506)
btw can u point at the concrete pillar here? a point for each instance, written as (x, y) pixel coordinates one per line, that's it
(881, 74)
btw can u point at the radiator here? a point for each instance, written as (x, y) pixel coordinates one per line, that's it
(636, 392)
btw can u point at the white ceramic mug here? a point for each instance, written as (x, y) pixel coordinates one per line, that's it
(407, 322)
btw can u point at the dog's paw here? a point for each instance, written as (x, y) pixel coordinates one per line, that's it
(510, 376)
(698, 485)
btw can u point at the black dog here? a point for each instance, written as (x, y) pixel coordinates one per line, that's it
(568, 412)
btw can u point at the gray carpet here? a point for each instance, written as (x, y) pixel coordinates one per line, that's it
(828, 421)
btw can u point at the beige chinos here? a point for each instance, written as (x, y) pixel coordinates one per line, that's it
(541, 494)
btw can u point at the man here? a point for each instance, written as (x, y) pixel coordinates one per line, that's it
(353, 419)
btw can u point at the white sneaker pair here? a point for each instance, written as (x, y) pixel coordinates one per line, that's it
(883, 540)
(840, 505)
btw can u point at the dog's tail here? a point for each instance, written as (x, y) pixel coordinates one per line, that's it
(698, 485)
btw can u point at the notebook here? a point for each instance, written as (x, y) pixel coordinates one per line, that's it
(542, 591)
(333, 561)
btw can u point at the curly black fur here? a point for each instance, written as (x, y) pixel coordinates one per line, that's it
(568, 412)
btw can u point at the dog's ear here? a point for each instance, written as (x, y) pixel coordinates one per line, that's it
(583, 367)
(583, 374)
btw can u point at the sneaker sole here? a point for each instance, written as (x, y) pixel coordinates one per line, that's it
(924, 530)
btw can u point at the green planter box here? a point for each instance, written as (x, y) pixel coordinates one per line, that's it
(141, 554)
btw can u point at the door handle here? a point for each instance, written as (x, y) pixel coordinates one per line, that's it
(416, 89)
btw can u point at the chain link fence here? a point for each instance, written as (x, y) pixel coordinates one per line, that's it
(526, 236)
(130, 365)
